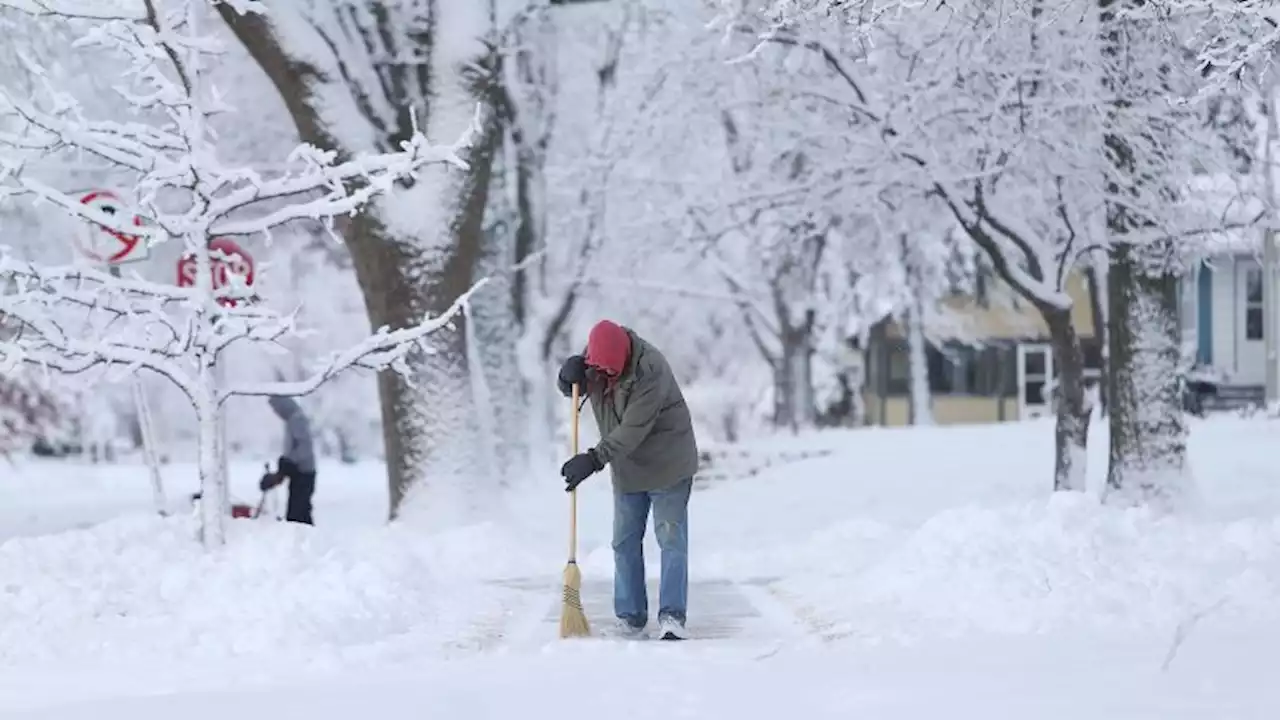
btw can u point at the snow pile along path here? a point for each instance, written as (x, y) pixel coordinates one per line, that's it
(142, 590)
(1068, 563)
(916, 535)
(911, 536)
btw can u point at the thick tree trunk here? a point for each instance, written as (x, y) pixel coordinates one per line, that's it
(427, 425)
(918, 359)
(495, 329)
(1071, 432)
(426, 418)
(848, 410)
(414, 249)
(913, 321)
(1098, 311)
(530, 93)
(1148, 431)
(794, 401)
(784, 412)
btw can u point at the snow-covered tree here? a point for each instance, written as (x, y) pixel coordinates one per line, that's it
(996, 110)
(586, 108)
(1148, 431)
(530, 97)
(361, 76)
(77, 319)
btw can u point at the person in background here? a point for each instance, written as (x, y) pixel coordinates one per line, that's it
(648, 442)
(297, 462)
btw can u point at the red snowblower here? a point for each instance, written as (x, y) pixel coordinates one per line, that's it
(245, 510)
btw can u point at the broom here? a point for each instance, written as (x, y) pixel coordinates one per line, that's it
(573, 621)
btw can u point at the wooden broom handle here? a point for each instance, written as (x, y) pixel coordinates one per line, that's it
(573, 496)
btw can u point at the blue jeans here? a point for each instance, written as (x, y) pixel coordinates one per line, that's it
(671, 525)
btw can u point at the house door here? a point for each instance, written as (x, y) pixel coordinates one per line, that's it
(1035, 380)
(1251, 354)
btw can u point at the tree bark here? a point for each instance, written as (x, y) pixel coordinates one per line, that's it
(495, 329)
(1071, 431)
(913, 320)
(1098, 311)
(1148, 431)
(528, 102)
(918, 362)
(793, 397)
(414, 249)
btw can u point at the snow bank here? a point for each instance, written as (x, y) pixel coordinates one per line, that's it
(1066, 563)
(892, 535)
(141, 589)
(910, 534)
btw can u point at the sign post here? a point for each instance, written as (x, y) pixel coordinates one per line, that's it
(227, 260)
(106, 246)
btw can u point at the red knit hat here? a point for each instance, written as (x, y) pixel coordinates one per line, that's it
(608, 347)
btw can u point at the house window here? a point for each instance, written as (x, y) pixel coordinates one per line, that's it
(968, 369)
(959, 369)
(1091, 349)
(955, 369)
(941, 372)
(898, 377)
(1253, 304)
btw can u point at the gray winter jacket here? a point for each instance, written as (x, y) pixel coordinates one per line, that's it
(297, 433)
(645, 429)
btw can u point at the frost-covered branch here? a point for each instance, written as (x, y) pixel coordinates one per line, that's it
(371, 175)
(1230, 35)
(74, 319)
(385, 349)
(66, 322)
(77, 9)
(330, 187)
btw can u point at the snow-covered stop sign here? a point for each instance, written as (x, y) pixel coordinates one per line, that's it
(230, 264)
(105, 245)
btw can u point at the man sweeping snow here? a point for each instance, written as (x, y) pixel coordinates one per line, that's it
(648, 442)
(297, 462)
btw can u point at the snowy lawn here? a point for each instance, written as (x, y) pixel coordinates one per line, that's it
(907, 574)
(43, 496)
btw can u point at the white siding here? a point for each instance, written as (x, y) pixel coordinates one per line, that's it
(1226, 318)
(1187, 295)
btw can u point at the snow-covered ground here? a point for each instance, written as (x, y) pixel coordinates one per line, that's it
(905, 574)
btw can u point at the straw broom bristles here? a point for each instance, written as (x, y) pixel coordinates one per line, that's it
(573, 620)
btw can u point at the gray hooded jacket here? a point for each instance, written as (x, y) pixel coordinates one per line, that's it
(646, 431)
(297, 433)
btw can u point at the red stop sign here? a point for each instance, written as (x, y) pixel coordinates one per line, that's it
(227, 260)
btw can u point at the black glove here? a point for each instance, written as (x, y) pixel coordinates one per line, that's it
(579, 468)
(269, 481)
(573, 371)
(286, 467)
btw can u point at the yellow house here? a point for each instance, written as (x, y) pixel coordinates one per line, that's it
(988, 357)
